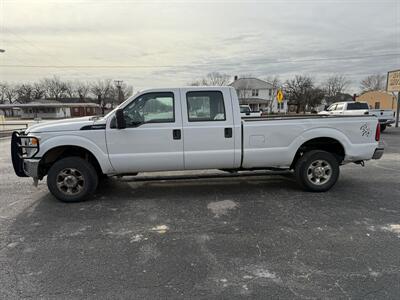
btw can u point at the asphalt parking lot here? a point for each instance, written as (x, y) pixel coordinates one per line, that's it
(257, 237)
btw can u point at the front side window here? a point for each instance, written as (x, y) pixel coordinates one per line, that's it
(205, 106)
(339, 107)
(150, 108)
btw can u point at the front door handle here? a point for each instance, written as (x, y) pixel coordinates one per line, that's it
(176, 134)
(228, 132)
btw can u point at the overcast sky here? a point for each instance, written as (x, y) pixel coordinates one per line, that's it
(171, 43)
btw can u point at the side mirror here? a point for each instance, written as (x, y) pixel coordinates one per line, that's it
(120, 118)
(247, 113)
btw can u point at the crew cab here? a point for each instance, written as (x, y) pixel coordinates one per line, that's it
(385, 116)
(189, 128)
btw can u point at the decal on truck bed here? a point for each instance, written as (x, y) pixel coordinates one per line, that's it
(365, 130)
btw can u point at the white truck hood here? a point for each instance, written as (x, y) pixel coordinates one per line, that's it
(64, 125)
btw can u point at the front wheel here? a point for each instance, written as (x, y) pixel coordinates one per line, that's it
(317, 171)
(72, 179)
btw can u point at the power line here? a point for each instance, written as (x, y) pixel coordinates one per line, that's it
(197, 65)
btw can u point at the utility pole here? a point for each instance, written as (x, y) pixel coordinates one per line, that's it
(118, 84)
(398, 109)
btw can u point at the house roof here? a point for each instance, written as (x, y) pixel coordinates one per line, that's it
(251, 83)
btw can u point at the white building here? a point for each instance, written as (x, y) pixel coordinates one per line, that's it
(258, 94)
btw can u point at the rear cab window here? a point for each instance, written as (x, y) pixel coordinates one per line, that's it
(357, 106)
(205, 106)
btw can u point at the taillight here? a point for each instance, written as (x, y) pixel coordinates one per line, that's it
(378, 132)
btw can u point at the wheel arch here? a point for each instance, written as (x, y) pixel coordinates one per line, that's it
(56, 153)
(324, 143)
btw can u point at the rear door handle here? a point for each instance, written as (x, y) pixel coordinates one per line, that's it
(228, 132)
(176, 134)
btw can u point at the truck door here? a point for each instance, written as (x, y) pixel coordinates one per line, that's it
(208, 129)
(152, 139)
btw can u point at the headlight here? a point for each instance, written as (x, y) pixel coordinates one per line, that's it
(33, 141)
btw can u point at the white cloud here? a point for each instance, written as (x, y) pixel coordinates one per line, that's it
(189, 39)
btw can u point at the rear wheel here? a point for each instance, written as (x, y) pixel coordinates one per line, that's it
(383, 127)
(72, 179)
(317, 171)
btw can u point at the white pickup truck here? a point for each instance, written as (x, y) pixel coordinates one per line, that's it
(246, 112)
(189, 128)
(385, 116)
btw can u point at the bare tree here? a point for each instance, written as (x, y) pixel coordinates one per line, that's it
(335, 85)
(3, 88)
(55, 88)
(374, 82)
(101, 89)
(10, 93)
(127, 91)
(302, 93)
(24, 92)
(38, 90)
(213, 79)
(82, 89)
(70, 89)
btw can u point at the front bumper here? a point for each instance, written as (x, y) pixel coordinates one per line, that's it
(386, 122)
(31, 167)
(22, 162)
(379, 151)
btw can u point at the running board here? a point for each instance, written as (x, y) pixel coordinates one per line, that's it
(203, 176)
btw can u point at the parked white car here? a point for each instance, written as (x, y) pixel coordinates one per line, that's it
(190, 128)
(246, 112)
(385, 116)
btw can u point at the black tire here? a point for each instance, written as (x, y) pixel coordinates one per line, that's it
(67, 171)
(383, 127)
(313, 178)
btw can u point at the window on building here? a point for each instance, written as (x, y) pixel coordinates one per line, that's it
(254, 92)
(377, 105)
(76, 109)
(205, 106)
(270, 92)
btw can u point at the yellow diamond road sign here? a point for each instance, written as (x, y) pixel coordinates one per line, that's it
(279, 96)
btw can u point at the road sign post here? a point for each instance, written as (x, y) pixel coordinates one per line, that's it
(279, 98)
(393, 85)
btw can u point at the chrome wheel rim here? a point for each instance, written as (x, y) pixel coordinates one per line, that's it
(70, 181)
(319, 172)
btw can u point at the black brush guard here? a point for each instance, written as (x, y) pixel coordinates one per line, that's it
(18, 152)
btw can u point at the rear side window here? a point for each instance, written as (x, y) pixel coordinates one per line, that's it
(357, 106)
(205, 106)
